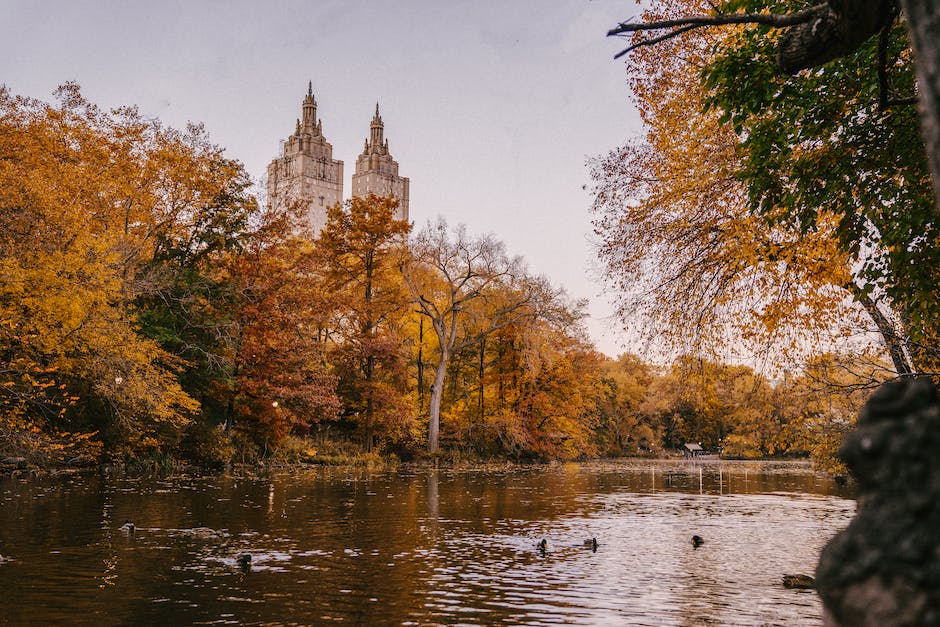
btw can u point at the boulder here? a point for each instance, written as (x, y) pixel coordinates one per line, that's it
(884, 568)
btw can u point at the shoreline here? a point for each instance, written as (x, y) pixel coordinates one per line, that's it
(19, 468)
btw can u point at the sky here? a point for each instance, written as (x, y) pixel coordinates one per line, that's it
(491, 108)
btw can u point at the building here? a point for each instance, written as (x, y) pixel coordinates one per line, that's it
(377, 172)
(306, 172)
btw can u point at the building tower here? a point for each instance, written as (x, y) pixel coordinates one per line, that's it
(377, 172)
(305, 170)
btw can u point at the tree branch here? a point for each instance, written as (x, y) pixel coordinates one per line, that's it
(811, 37)
(768, 19)
(656, 40)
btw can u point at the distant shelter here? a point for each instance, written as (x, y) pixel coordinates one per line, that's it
(692, 451)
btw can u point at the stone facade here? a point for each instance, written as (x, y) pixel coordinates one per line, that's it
(377, 172)
(306, 172)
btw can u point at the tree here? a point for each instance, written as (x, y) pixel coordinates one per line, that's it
(282, 382)
(447, 274)
(827, 31)
(85, 197)
(697, 269)
(358, 250)
(624, 428)
(820, 404)
(556, 411)
(529, 389)
(871, 173)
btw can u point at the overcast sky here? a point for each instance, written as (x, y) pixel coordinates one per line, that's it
(491, 108)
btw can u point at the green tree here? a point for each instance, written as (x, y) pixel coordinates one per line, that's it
(836, 141)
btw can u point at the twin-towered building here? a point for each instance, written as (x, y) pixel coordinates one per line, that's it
(306, 170)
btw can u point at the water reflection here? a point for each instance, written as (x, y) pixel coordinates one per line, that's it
(418, 547)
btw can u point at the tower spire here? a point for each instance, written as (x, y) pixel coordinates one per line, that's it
(377, 130)
(310, 111)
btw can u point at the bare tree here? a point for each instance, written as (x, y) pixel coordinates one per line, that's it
(447, 272)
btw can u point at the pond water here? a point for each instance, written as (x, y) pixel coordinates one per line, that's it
(421, 546)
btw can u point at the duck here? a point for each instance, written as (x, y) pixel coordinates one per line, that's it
(697, 541)
(128, 527)
(244, 561)
(591, 543)
(542, 546)
(799, 582)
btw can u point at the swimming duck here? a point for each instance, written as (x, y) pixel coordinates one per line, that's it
(244, 561)
(799, 582)
(591, 543)
(697, 541)
(542, 546)
(128, 527)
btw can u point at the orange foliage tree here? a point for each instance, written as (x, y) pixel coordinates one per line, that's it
(282, 381)
(359, 250)
(83, 194)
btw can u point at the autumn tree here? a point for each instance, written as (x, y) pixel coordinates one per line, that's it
(823, 32)
(820, 404)
(359, 250)
(870, 176)
(529, 389)
(86, 198)
(696, 270)
(448, 275)
(624, 428)
(554, 413)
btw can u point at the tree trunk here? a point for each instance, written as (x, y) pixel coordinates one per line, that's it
(370, 410)
(837, 28)
(889, 334)
(923, 24)
(481, 397)
(437, 391)
(421, 391)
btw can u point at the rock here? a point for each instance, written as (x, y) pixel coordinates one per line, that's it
(884, 568)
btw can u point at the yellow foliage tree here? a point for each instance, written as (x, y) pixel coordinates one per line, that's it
(696, 270)
(88, 200)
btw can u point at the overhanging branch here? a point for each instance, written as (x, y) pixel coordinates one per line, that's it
(685, 24)
(769, 19)
(811, 37)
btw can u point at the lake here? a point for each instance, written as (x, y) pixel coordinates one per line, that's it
(422, 546)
